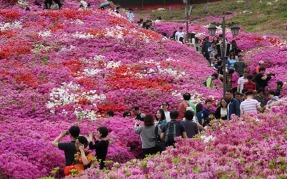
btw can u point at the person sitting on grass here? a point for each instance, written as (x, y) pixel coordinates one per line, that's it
(101, 145)
(68, 147)
(82, 159)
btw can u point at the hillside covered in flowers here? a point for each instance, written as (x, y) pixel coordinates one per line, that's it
(59, 68)
(66, 67)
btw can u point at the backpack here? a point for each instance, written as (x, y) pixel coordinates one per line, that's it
(170, 133)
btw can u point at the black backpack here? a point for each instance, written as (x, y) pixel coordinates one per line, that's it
(171, 132)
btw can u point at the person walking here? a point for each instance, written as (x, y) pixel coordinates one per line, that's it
(241, 82)
(184, 104)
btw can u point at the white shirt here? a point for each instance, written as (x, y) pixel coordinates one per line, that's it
(241, 82)
(178, 35)
(249, 106)
(223, 112)
(167, 116)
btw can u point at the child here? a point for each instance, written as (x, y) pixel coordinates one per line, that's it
(211, 117)
(101, 145)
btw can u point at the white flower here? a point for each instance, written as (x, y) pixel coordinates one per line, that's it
(91, 72)
(112, 64)
(207, 139)
(81, 35)
(78, 21)
(8, 25)
(269, 3)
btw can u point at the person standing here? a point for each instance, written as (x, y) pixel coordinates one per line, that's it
(207, 110)
(160, 118)
(148, 135)
(165, 107)
(233, 106)
(231, 61)
(205, 48)
(179, 35)
(68, 147)
(101, 145)
(250, 105)
(184, 104)
(241, 82)
(190, 126)
(139, 116)
(199, 114)
(221, 111)
(260, 65)
(240, 65)
(172, 129)
(261, 79)
(249, 85)
(233, 79)
(260, 97)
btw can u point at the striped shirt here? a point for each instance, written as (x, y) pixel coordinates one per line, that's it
(249, 106)
(249, 86)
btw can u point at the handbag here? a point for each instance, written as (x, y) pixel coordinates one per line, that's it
(160, 145)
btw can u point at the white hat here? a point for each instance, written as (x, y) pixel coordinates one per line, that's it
(261, 62)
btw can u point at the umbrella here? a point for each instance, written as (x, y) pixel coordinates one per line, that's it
(105, 4)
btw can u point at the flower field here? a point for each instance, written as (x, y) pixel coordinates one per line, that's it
(68, 67)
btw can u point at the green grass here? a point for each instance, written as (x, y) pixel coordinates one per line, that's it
(271, 19)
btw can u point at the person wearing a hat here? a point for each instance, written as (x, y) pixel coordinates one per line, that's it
(261, 64)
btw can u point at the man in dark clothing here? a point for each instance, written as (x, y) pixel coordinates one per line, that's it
(68, 147)
(190, 126)
(205, 48)
(139, 116)
(261, 79)
(233, 106)
(172, 129)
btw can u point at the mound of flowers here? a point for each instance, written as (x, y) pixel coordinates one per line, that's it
(58, 68)
(251, 146)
